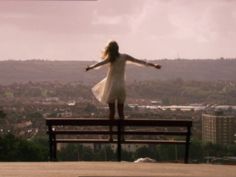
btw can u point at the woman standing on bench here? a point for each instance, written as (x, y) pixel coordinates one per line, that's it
(112, 88)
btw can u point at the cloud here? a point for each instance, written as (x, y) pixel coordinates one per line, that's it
(152, 19)
(49, 16)
(157, 28)
(107, 20)
(203, 21)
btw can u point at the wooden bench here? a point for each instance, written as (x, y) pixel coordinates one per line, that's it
(121, 129)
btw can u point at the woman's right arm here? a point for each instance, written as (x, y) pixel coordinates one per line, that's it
(97, 64)
(142, 62)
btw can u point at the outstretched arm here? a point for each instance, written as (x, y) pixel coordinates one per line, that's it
(143, 62)
(97, 64)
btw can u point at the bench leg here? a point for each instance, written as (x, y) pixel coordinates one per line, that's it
(50, 150)
(119, 141)
(54, 147)
(55, 151)
(50, 143)
(186, 158)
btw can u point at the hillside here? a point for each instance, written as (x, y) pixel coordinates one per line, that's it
(73, 71)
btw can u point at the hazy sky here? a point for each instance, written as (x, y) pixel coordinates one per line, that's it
(152, 29)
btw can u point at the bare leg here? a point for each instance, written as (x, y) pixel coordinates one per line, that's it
(111, 116)
(120, 107)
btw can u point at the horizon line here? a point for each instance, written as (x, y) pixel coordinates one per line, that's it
(92, 60)
(50, 0)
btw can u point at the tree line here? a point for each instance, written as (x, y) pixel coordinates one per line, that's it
(169, 92)
(18, 149)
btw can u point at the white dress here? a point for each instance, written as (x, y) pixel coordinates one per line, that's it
(112, 87)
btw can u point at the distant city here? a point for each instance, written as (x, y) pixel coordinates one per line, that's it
(209, 103)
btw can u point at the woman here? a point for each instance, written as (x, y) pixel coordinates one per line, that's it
(112, 88)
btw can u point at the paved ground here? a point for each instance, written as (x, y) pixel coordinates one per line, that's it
(123, 169)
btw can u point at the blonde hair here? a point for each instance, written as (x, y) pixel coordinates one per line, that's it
(111, 51)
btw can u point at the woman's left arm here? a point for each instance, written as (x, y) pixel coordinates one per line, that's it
(97, 64)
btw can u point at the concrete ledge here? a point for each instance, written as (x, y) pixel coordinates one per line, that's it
(122, 169)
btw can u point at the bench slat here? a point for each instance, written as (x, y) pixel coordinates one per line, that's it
(123, 142)
(126, 122)
(83, 141)
(74, 132)
(80, 132)
(154, 142)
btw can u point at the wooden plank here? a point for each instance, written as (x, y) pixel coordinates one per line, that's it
(81, 132)
(125, 122)
(132, 132)
(154, 142)
(122, 142)
(84, 141)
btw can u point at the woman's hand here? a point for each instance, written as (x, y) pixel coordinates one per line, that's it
(158, 66)
(88, 68)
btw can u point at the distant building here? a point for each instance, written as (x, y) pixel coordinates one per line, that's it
(156, 102)
(218, 128)
(65, 114)
(24, 124)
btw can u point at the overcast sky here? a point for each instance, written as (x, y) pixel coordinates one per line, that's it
(152, 29)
